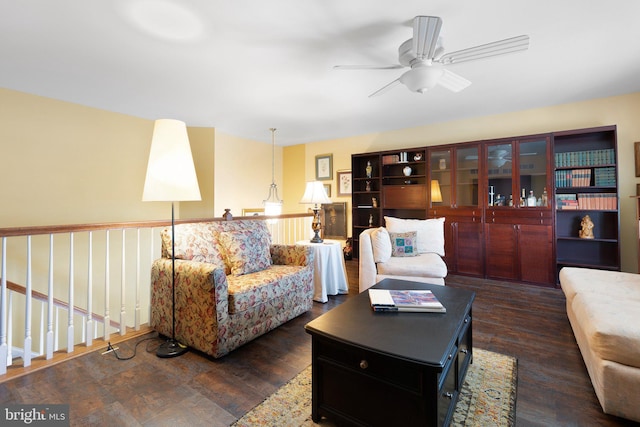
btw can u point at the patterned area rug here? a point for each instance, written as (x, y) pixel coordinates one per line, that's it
(488, 397)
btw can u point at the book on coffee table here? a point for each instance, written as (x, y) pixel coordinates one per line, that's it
(405, 300)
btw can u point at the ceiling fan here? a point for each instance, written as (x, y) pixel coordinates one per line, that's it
(425, 55)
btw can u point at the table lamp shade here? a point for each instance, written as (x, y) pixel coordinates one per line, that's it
(436, 194)
(314, 194)
(171, 175)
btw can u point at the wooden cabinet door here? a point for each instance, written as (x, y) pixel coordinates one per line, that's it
(469, 244)
(502, 251)
(535, 249)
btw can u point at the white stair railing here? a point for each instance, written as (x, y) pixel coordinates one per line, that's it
(73, 301)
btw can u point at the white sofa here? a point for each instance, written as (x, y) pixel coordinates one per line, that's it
(378, 261)
(603, 308)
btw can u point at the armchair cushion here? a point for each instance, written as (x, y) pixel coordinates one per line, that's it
(430, 232)
(381, 244)
(246, 251)
(404, 244)
(194, 242)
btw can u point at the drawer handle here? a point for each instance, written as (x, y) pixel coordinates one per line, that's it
(449, 395)
(451, 356)
(466, 320)
(364, 364)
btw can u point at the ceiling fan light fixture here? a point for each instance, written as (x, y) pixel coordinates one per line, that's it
(422, 77)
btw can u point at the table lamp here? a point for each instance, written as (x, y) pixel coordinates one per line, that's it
(315, 195)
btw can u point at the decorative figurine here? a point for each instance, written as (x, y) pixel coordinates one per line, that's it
(374, 202)
(368, 187)
(369, 169)
(417, 157)
(371, 220)
(586, 230)
(227, 215)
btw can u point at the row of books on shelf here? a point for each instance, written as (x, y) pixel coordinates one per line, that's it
(585, 158)
(596, 201)
(603, 177)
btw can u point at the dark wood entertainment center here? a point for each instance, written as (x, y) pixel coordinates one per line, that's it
(495, 227)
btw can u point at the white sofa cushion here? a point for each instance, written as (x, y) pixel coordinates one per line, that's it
(430, 232)
(610, 325)
(381, 244)
(609, 284)
(423, 265)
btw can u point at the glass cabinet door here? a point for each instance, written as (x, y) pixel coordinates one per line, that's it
(441, 185)
(532, 158)
(467, 176)
(499, 172)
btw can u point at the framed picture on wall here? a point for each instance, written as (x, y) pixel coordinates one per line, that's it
(344, 183)
(334, 220)
(324, 167)
(327, 189)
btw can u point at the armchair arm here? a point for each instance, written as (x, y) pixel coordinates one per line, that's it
(202, 306)
(291, 255)
(367, 270)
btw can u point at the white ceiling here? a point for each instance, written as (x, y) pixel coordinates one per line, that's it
(244, 66)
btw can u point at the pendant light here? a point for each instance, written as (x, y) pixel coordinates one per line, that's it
(273, 205)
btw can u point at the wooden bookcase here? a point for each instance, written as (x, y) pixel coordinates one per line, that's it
(586, 183)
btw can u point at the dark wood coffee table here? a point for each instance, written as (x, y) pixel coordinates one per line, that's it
(372, 368)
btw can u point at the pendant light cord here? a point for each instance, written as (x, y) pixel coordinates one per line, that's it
(273, 155)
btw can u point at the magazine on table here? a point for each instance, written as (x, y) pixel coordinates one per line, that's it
(405, 300)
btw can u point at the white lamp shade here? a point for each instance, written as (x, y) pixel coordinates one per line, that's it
(171, 175)
(314, 194)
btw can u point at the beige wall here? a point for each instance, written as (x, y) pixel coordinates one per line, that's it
(622, 111)
(243, 173)
(63, 163)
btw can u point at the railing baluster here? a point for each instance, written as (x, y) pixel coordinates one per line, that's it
(136, 312)
(107, 280)
(26, 355)
(10, 330)
(89, 334)
(49, 348)
(4, 348)
(70, 331)
(123, 287)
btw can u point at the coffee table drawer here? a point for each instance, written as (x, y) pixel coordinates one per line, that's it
(395, 371)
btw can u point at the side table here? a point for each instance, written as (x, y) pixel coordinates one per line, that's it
(329, 270)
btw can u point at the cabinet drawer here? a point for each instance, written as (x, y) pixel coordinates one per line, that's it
(448, 394)
(368, 363)
(405, 196)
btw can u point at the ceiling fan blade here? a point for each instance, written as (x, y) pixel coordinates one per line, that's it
(501, 47)
(385, 88)
(368, 67)
(453, 81)
(425, 36)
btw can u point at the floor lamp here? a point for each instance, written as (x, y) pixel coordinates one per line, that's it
(171, 177)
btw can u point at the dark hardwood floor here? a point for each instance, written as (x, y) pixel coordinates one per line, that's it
(525, 321)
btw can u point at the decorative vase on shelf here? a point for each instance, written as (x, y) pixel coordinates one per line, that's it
(406, 171)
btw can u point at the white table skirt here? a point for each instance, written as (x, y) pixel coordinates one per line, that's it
(329, 272)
